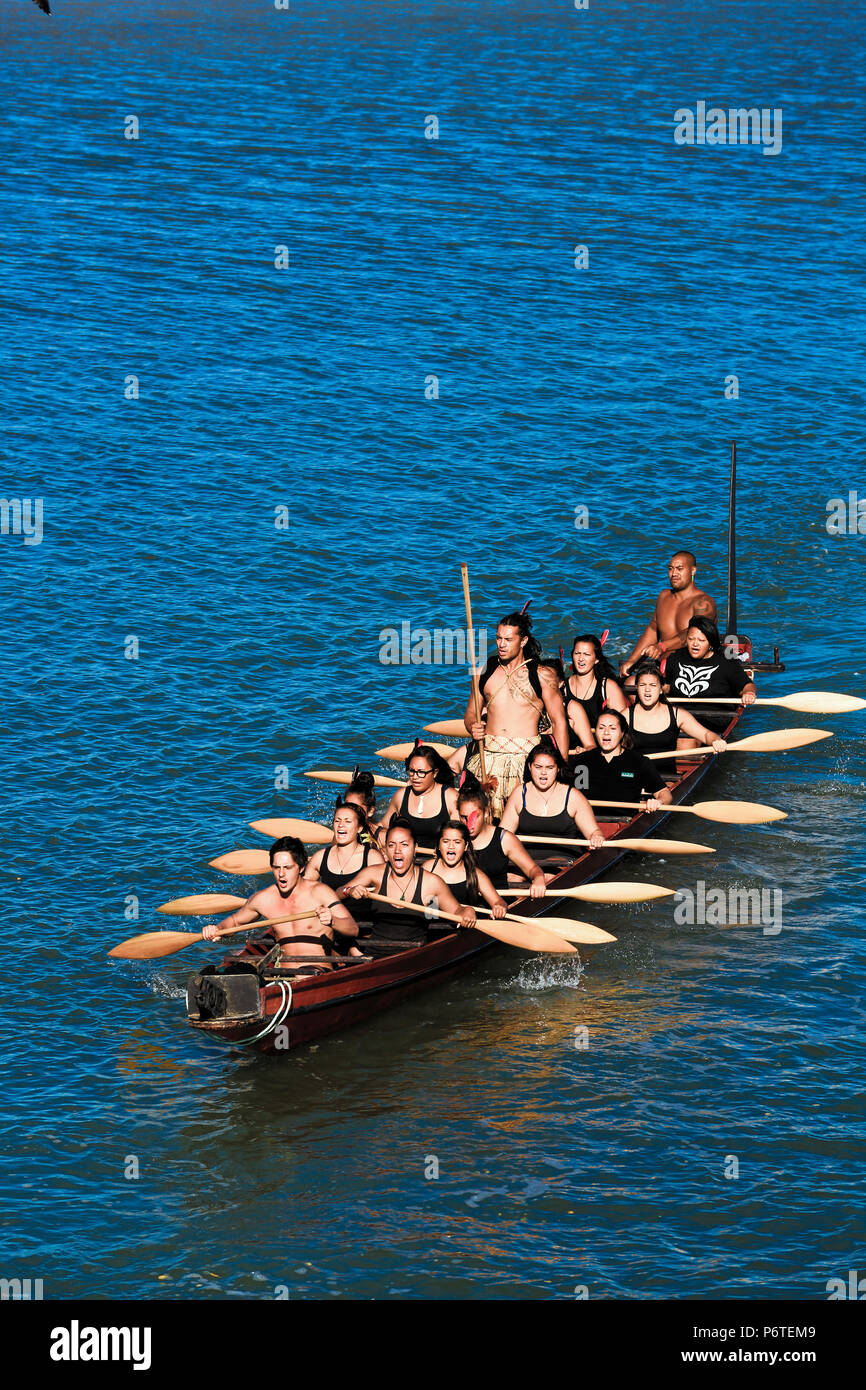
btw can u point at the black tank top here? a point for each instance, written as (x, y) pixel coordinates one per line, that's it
(394, 923)
(560, 825)
(493, 860)
(331, 877)
(427, 829)
(660, 741)
(593, 704)
(460, 891)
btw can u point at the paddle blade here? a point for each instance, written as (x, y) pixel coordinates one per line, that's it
(585, 933)
(601, 892)
(243, 861)
(343, 779)
(201, 905)
(820, 702)
(309, 832)
(737, 812)
(655, 846)
(527, 937)
(400, 751)
(779, 740)
(451, 728)
(153, 944)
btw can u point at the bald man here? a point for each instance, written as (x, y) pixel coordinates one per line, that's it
(674, 608)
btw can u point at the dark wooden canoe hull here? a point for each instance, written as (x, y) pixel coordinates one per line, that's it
(236, 1005)
(327, 1003)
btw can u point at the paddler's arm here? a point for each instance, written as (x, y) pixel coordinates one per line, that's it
(248, 913)
(649, 637)
(331, 913)
(368, 879)
(579, 721)
(584, 818)
(311, 873)
(436, 893)
(511, 814)
(490, 895)
(473, 726)
(690, 728)
(555, 707)
(519, 856)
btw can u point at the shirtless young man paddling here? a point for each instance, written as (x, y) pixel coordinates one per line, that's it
(312, 936)
(516, 691)
(674, 607)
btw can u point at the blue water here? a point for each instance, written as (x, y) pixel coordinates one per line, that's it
(303, 388)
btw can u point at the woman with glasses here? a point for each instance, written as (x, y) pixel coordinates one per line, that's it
(429, 801)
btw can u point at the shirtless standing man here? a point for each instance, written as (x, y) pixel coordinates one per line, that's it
(675, 606)
(515, 691)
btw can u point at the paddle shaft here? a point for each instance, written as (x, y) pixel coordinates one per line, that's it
(515, 924)
(464, 571)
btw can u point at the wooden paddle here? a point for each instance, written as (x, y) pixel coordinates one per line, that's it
(803, 701)
(201, 905)
(451, 728)
(652, 846)
(774, 741)
(582, 932)
(344, 779)
(725, 812)
(600, 892)
(470, 632)
(401, 751)
(515, 934)
(243, 861)
(309, 832)
(152, 945)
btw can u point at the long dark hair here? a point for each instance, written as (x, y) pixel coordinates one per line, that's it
(523, 623)
(550, 750)
(470, 863)
(441, 771)
(603, 668)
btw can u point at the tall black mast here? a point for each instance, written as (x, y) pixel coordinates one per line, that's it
(732, 545)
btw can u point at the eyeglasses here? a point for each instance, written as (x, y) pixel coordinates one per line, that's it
(420, 771)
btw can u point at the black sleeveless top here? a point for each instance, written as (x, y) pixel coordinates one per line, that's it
(395, 924)
(493, 860)
(661, 741)
(331, 877)
(427, 829)
(461, 893)
(560, 825)
(593, 704)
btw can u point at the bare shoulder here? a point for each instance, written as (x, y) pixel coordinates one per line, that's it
(704, 606)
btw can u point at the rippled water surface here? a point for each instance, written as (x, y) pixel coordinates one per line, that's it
(258, 645)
